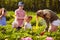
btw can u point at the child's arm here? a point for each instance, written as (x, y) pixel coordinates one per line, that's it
(37, 18)
(47, 24)
(25, 25)
(47, 27)
(3, 14)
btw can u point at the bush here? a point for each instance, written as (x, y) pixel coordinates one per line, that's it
(9, 33)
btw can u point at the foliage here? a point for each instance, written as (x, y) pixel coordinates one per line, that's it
(32, 5)
(9, 33)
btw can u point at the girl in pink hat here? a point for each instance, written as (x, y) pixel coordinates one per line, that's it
(20, 14)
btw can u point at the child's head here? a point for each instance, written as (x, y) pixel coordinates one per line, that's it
(40, 13)
(21, 5)
(29, 18)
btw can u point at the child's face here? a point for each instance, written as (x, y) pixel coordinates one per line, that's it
(28, 19)
(40, 13)
(48, 15)
(21, 7)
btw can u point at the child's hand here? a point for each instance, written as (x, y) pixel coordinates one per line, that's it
(37, 18)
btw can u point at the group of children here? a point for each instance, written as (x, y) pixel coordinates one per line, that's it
(49, 16)
(21, 19)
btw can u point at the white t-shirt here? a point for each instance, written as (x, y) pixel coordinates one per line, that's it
(56, 22)
(28, 25)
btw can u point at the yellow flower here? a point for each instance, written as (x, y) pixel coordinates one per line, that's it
(35, 28)
(14, 16)
(6, 39)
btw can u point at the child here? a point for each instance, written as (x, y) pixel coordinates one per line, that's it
(20, 14)
(2, 16)
(50, 17)
(27, 23)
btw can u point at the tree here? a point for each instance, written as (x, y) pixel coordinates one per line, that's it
(32, 5)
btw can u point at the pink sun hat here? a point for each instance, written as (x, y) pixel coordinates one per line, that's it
(49, 38)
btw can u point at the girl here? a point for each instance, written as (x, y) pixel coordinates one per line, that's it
(51, 18)
(20, 14)
(27, 23)
(2, 17)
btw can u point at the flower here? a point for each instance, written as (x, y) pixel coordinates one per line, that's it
(6, 39)
(27, 38)
(22, 38)
(49, 38)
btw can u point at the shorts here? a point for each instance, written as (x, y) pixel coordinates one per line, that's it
(14, 24)
(56, 22)
(3, 21)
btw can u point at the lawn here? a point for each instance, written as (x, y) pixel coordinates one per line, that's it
(9, 33)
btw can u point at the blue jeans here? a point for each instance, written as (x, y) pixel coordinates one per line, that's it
(3, 21)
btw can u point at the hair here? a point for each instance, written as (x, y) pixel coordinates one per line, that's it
(39, 12)
(29, 17)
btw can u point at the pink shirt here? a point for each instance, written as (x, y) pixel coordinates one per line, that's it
(20, 14)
